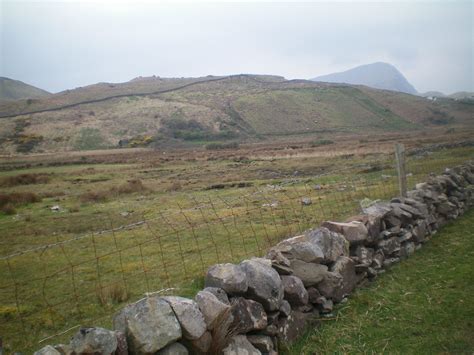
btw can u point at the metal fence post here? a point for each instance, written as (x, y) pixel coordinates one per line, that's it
(402, 175)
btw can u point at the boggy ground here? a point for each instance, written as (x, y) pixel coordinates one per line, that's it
(168, 215)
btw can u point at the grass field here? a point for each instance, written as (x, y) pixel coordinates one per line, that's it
(61, 270)
(420, 306)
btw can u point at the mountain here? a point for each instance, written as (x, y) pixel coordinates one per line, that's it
(167, 112)
(376, 75)
(14, 89)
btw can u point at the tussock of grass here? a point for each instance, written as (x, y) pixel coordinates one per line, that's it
(131, 186)
(421, 306)
(112, 294)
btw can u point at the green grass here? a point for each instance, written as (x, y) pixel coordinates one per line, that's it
(421, 306)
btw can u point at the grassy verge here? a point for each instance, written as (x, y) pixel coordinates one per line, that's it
(421, 306)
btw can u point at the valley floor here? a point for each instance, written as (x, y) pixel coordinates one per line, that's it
(421, 306)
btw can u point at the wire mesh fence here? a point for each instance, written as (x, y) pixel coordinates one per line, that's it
(47, 291)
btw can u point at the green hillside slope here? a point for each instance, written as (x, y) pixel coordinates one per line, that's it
(15, 89)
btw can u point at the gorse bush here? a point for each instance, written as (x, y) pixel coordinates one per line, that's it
(18, 198)
(24, 179)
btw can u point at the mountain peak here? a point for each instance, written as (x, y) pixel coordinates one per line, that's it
(378, 75)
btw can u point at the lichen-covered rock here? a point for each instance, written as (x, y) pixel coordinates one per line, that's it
(174, 349)
(211, 307)
(364, 255)
(330, 243)
(292, 327)
(279, 262)
(239, 345)
(149, 325)
(230, 277)
(309, 273)
(294, 290)
(313, 294)
(248, 315)
(264, 283)
(93, 341)
(47, 350)
(355, 232)
(189, 316)
(285, 308)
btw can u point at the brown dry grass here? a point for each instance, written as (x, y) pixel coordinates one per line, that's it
(24, 179)
(112, 294)
(18, 198)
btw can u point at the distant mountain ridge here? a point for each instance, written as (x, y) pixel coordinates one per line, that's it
(376, 75)
(14, 90)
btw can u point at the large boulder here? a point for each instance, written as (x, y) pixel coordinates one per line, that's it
(149, 325)
(279, 262)
(219, 293)
(295, 292)
(189, 316)
(199, 346)
(239, 345)
(211, 307)
(355, 232)
(300, 248)
(94, 341)
(264, 283)
(248, 315)
(231, 278)
(309, 273)
(263, 343)
(330, 243)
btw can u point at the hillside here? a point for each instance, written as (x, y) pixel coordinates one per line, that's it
(14, 89)
(376, 75)
(190, 111)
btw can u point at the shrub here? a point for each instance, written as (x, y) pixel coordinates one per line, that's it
(220, 146)
(9, 209)
(89, 139)
(94, 196)
(129, 187)
(24, 179)
(18, 198)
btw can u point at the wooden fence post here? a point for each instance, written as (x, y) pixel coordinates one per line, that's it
(402, 175)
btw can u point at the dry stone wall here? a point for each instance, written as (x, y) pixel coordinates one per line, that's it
(251, 307)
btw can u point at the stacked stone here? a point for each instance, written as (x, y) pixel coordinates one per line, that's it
(248, 308)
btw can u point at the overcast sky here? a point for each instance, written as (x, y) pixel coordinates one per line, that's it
(62, 45)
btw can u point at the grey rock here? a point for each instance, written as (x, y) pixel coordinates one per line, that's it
(331, 286)
(211, 307)
(189, 316)
(285, 308)
(345, 267)
(219, 293)
(355, 232)
(389, 246)
(94, 340)
(264, 343)
(410, 248)
(264, 283)
(292, 327)
(330, 243)
(309, 273)
(239, 345)
(47, 350)
(248, 315)
(306, 201)
(364, 255)
(313, 294)
(294, 291)
(326, 305)
(231, 278)
(377, 260)
(149, 325)
(299, 248)
(389, 262)
(174, 349)
(279, 262)
(199, 346)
